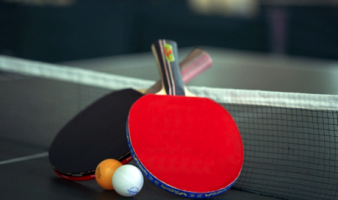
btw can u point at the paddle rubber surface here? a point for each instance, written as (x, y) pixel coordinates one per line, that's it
(81, 145)
(191, 144)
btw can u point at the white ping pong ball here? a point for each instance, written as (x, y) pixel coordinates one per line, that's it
(127, 180)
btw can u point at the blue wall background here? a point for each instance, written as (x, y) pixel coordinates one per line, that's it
(88, 29)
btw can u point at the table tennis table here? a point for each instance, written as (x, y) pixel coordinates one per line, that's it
(24, 167)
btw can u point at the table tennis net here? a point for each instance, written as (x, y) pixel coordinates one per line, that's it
(290, 140)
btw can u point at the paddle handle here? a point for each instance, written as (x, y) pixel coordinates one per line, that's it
(165, 53)
(193, 65)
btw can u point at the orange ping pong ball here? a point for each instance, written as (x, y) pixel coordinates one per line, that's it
(104, 173)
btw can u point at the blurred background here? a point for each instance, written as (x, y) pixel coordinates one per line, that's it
(65, 30)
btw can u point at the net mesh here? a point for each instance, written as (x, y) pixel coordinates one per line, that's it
(290, 153)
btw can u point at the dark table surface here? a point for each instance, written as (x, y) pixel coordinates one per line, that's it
(35, 179)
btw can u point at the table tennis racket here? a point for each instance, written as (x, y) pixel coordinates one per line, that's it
(188, 146)
(98, 132)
